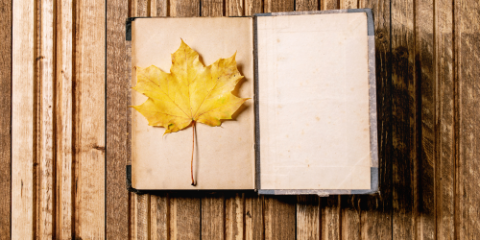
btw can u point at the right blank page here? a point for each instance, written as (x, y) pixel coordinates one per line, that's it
(313, 91)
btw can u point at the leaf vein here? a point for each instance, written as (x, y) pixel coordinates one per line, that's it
(167, 95)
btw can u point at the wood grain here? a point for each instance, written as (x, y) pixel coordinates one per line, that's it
(24, 120)
(5, 113)
(331, 218)
(445, 121)
(329, 4)
(253, 6)
(89, 119)
(254, 218)
(132, 215)
(117, 91)
(45, 143)
(234, 216)
(141, 8)
(458, 168)
(376, 210)
(467, 14)
(184, 8)
(350, 217)
(212, 8)
(427, 160)
(162, 8)
(348, 4)
(308, 217)
(279, 5)
(306, 5)
(279, 217)
(234, 8)
(185, 216)
(160, 217)
(142, 216)
(213, 217)
(63, 118)
(152, 7)
(404, 120)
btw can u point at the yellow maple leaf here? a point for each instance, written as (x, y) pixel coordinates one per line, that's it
(190, 93)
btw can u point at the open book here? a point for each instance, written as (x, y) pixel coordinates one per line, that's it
(310, 126)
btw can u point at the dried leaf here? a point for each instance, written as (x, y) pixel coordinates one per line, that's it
(190, 93)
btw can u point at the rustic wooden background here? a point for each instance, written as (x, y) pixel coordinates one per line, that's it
(63, 153)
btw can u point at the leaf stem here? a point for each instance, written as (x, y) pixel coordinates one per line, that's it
(193, 150)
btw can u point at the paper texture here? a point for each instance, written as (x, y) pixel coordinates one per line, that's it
(314, 101)
(224, 156)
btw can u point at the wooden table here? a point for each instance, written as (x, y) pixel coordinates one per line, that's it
(63, 148)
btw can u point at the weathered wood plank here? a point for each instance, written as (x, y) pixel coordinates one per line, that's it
(160, 217)
(234, 216)
(331, 218)
(348, 4)
(184, 8)
(162, 8)
(279, 217)
(306, 5)
(467, 25)
(376, 210)
(404, 120)
(143, 219)
(63, 118)
(458, 168)
(117, 91)
(213, 217)
(141, 8)
(212, 8)
(45, 145)
(308, 217)
(132, 209)
(350, 225)
(279, 5)
(139, 225)
(234, 8)
(329, 4)
(445, 135)
(254, 224)
(5, 112)
(23, 120)
(253, 6)
(185, 217)
(427, 160)
(153, 218)
(152, 7)
(89, 119)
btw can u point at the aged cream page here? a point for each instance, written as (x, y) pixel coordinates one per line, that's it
(224, 156)
(314, 101)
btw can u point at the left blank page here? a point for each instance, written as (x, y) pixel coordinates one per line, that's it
(224, 156)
